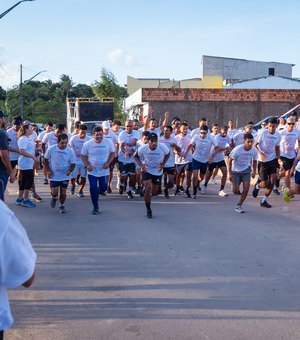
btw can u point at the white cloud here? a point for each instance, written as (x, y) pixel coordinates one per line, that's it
(121, 57)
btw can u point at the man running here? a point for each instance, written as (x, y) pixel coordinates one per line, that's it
(240, 162)
(155, 156)
(267, 143)
(60, 161)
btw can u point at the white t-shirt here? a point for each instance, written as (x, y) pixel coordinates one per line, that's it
(183, 142)
(267, 144)
(171, 161)
(153, 158)
(41, 135)
(156, 130)
(59, 162)
(34, 136)
(27, 144)
(127, 138)
(232, 132)
(98, 154)
(76, 144)
(203, 147)
(242, 159)
(238, 138)
(288, 142)
(111, 136)
(49, 139)
(17, 260)
(222, 142)
(13, 143)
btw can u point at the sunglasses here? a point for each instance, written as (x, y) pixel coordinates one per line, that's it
(203, 133)
(290, 123)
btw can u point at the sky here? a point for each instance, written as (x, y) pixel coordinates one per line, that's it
(141, 38)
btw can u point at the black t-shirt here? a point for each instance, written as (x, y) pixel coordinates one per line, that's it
(3, 146)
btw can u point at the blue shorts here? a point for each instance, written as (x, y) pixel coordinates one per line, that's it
(297, 177)
(196, 165)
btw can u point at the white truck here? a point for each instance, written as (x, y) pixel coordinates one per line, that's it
(89, 111)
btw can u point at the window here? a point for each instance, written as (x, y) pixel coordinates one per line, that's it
(272, 71)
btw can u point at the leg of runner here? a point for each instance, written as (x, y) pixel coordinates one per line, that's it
(147, 197)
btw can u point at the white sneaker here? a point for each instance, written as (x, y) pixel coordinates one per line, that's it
(203, 188)
(212, 181)
(239, 209)
(222, 193)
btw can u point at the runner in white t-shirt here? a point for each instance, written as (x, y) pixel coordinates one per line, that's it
(152, 158)
(289, 193)
(60, 161)
(169, 169)
(76, 143)
(17, 262)
(241, 160)
(116, 130)
(48, 129)
(267, 143)
(138, 170)
(97, 154)
(231, 130)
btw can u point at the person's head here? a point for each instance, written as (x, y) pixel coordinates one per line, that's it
(48, 126)
(82, 131)
(153, 124)
(290, 123)
(168, 131)
(110, 120)
(136, 124)
(145, 135)
(263, 125)
(281, 121)
(59, 128)
(202, 121)
(62, 141)
(223, 131)
(76, 127)
(105, 127)
(184, 129)
(176, 124)
(98, 134)
(25, 130)
(215, 129)
(116, 125)
(248, 141)
(272, 125)
(230, 124)
(203, 131)
(2, 119)
(152, 141)
(35, 128)
(129, 126)
(17, 122)
(248, 128)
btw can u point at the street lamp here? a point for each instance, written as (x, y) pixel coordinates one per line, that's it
(12, 7)
(26, 81)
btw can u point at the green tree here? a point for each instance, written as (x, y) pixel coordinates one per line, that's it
(2, 94)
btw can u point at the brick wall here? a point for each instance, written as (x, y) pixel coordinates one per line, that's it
(220, 105)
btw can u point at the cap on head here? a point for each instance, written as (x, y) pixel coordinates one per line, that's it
(105, 125)
(152, 137)
(2, 114)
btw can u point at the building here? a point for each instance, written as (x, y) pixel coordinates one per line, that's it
(270, 82)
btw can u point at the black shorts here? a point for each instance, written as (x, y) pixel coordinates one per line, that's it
(59, 184)
(218, 165)
(126, 168)
(14, 163)
(180, 168)
(170, 170)
(297, 177)
(265, 169)
(287, 163)
(155, 179)
(26, 179)
(196, 165)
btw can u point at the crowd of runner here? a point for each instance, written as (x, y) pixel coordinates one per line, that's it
(150, 160)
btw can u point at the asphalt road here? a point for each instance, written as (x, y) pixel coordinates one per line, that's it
(197, 270)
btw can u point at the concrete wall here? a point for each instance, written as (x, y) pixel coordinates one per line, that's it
(220, 105)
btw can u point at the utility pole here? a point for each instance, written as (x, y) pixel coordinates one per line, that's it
(12, 7)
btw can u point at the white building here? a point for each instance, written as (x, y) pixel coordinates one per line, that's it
(270, 82)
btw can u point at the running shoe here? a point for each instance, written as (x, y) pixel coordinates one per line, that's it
(129, 194)
(213, 181)
(53, 202)
(95, 211)
(176, 192)
(121, 189)
(149, 214)
(239, 209)
(195, 194)
(255, 191)
(19, 201)
(46, 181)
(28, 204)
(188, 194)
(37, 197)
(80, 194)
(222, 193)
(265, 204)
(203, 189)
(166, 193)
(61, 209)
(72, 189)
(286, 197)
(181, 189)
(276, 192)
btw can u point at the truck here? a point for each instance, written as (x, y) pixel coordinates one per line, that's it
(89, 111)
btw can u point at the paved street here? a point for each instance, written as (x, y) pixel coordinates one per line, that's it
(197, 270)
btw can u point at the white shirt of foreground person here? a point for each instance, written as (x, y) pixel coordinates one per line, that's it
(17, 260)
